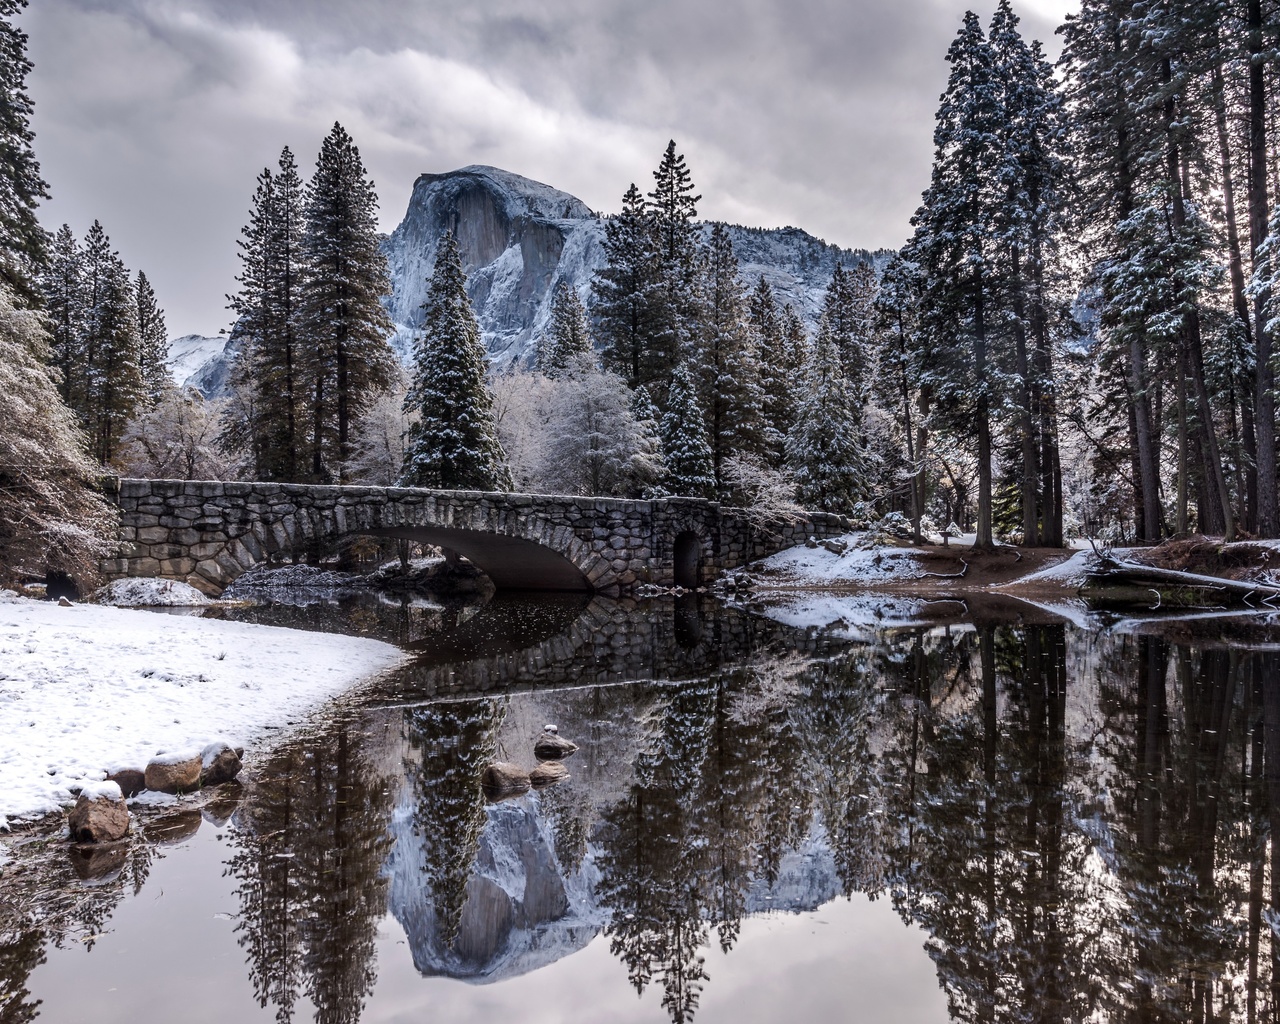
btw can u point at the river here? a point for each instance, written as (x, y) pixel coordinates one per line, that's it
(972, 811)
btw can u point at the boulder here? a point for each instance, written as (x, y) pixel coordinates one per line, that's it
(219, 763)
(130, 780)
(836, 546)
(552, 747)
(504, 778)
(100, 814)
(548, 774)
(174, 773)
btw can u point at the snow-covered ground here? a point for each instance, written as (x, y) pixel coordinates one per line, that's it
(145, 592)
(861, 564)
(85, 690)
(1072, 572)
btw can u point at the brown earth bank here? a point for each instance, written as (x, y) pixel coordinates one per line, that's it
(1249, 560)
(932, 569)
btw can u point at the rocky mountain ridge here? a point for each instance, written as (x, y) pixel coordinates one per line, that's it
(519, 239)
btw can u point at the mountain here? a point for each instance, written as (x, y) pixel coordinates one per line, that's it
(519, 239)
(200, 362)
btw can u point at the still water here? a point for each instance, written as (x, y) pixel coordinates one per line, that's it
(955, 812)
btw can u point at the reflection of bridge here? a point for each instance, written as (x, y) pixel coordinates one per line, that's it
(208, 533)
(514, 645)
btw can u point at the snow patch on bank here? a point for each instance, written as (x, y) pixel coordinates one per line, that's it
(86, 688)
(145, 592)
(847, 616)
(862, 564)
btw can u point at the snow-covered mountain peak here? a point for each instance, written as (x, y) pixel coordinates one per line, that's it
(516, 195)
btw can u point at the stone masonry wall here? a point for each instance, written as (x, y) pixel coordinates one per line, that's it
(208, 533)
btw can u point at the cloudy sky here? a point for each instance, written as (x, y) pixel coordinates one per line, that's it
(154, 116)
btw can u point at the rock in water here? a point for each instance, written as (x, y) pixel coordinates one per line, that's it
(502, 778)
(220, 763)
(100, 814)
(174, 773)
(130, 780)
(548, 774)
(551, 747)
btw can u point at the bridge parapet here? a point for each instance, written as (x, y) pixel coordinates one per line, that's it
(208, 533)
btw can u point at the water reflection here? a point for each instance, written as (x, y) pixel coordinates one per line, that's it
(1080, 822)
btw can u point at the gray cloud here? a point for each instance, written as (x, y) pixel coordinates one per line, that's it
(155, 115)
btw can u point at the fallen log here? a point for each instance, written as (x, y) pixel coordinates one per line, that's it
(943, 575)
(1110, 568)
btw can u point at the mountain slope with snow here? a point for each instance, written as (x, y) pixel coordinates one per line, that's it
(519, 239)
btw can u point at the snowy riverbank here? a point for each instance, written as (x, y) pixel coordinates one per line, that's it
(85, 689)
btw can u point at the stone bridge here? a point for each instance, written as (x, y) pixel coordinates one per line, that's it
(208, 533)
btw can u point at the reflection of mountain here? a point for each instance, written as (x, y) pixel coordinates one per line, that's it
(522, 910)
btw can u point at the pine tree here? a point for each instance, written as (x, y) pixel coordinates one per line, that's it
(673, 208)
(897, 384)
(847, 307)
(23, 242)
(685, 449)
(628, 306)
(268, 374)
(727, 362)
(1033, 181)
(110, 385)
(825, 447)
(953, 247)
(454, 445)
(777, 383)
(347, 358)
(153, 343)
(567, 338)
(64, 302)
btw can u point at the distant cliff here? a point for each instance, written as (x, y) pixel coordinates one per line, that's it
(519, 240)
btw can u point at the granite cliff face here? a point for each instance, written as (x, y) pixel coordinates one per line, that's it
(520, 239)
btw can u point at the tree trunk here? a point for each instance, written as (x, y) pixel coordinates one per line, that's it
(984, 539)
(1148, 477)
(1259, 214)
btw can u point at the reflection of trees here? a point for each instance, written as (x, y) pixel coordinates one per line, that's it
(679, 854)
(20, 954)
(455, 741)
(310, 845)
(985, 861)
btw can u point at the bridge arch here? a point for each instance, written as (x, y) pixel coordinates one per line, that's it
(208, 533)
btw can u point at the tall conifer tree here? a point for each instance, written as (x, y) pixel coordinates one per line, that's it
(454, 444)
(23, 242)
(953, 247)
(153, 342)
(824, 447)
(568, 337)
(347, 356)
(268, 376)
(64, 302)
(685, 448)
(777, 383)
(727, 361)
(628, 306)
(673, 207)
